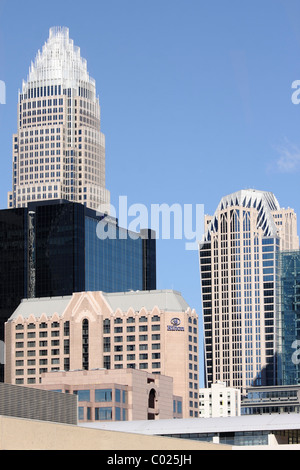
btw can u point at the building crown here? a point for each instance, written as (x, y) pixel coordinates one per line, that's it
(59, 62)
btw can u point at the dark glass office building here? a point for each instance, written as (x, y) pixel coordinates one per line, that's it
(56, 248)
(288, 319)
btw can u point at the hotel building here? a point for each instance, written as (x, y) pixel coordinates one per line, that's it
(153, 331)
(59, 150)
(239, 287)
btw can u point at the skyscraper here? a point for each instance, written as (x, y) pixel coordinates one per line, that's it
(238, 276)
(59, 150)
(288, 318)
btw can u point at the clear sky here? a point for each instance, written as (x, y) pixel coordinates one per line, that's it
(195, 97)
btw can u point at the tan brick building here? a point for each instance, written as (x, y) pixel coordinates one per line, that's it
(117, 395)
(154, 331)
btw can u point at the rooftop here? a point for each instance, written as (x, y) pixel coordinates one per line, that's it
(59, 62)
(205, 426)
(166, 300)
(263, 201)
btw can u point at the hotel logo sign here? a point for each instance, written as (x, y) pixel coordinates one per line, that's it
(175, 325)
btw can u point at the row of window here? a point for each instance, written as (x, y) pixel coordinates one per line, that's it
(131, 329)
(132, 338)
(102, 414)
(102, 395)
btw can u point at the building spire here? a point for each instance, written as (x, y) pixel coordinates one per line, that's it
(59, 60)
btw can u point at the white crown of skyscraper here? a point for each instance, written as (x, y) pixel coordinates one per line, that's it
(265, 202)
(59, 62)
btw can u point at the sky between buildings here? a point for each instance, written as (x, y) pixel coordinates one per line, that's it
(195, 99)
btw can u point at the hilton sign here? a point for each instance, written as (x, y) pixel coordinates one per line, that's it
(175, 325)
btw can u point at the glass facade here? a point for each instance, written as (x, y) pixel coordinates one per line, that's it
(102, 404)
(113, 264)
(288, 318)
(269, 400)
(53, 249)
(257, 438)
(59, 249)
(13, 265)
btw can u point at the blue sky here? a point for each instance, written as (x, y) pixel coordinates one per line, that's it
(195, 97)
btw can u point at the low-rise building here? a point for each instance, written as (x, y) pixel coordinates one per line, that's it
(272, 432)
(219, 401)
(271, 400)
(117, 395)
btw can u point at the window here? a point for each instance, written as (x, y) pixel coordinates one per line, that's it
(102, 396)
(106, 362)
(155, 327)
(85, 345)
(106, 327)
(67, 328)
(155, 318)
(118, 396)
(155, 337)
(83, 395)
(80, 413)
(103, 414)
(118, 414)
(143, 337)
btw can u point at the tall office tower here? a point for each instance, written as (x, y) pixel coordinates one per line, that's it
(288, 318)
(238, 276)
(59, 151)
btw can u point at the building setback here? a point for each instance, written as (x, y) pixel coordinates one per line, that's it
(95, 330)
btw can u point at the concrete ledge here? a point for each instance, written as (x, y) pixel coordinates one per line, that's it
(21, 434)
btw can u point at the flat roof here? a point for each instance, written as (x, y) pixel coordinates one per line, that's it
(274, 422)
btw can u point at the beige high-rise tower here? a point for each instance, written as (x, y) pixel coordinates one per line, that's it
(59, 150)
(238, 261)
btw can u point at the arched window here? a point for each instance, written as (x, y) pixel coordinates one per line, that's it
(85, 344)
(151, 404)
(152, 397)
